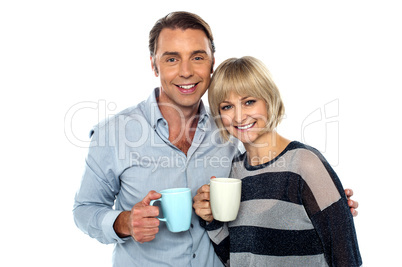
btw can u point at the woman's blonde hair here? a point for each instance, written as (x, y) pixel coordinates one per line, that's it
(246, 76)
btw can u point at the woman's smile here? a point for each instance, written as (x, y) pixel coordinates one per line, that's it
(245, 127)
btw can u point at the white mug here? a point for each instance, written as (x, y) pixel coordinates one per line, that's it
(224, 197)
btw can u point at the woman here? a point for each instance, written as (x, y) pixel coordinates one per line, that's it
(294, 211)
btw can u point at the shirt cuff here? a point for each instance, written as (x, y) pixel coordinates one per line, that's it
(107, 227)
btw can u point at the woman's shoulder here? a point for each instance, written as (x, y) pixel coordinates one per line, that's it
(305, 153)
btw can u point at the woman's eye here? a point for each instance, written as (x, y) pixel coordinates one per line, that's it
(226, 107)
(250, 102)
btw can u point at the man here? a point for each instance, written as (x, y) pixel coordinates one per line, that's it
(167, 141)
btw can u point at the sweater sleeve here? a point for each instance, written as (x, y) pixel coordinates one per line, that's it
(218, 232)
(326, 204)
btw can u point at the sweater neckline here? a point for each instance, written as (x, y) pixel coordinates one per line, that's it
(249, 167)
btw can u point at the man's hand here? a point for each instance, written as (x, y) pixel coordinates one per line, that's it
(352, 204)
(141, 222)
(201, 204)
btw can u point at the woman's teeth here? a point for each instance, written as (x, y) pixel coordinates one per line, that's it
(245, 126)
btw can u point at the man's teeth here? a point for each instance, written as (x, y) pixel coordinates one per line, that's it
(187, 86)
(245, 126)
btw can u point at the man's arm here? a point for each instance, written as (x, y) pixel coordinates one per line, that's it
(93, 206)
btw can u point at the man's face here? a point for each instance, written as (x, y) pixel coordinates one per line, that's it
(184, 62)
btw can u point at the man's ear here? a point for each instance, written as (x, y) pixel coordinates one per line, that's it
(212, 66)
(153, 65)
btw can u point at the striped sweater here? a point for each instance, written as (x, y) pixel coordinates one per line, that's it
(293, 212)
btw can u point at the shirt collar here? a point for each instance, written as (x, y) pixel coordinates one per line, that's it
(152, 111)
(204, 116)
(154, 115)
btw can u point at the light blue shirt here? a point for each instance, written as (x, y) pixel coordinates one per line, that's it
(129, 155)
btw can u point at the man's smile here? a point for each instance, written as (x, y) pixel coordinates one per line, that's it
(187, 88)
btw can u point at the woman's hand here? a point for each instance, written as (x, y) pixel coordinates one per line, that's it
(201, 204)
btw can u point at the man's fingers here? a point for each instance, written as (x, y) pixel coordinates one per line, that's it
(152, 195)
(354, 212)
(348, 192)
(144, 229)
(353, 204)
(145, 234)
(141, 212)
(145, 223)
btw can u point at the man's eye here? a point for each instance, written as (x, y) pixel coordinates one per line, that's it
(198, 58)
(171, 60)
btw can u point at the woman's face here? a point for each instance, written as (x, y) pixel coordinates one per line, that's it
(244, 117)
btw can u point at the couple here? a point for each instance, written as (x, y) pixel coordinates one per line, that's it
(112, 204)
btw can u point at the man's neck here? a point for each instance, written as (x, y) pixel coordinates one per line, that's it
(182, 123)
(176, 115)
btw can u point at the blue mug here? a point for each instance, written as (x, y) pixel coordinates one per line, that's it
(177, 208)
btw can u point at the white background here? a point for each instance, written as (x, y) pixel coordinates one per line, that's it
(66, 64)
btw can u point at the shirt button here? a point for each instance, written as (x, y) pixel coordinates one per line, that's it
(193, 255)
(192, 226)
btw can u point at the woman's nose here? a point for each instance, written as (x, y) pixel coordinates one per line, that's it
(240, 115)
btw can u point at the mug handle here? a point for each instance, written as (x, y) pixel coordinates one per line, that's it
(152, 203)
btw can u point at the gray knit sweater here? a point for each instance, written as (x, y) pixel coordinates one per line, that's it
(293, 212)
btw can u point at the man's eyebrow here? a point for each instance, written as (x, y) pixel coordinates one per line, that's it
(171, 53)
(168, 53)
(199, 52)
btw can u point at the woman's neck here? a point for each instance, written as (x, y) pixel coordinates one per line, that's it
(261, 153)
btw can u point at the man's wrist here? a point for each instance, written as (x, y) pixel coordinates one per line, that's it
(120, 225)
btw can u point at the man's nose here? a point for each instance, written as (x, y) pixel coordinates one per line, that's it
(186, 69)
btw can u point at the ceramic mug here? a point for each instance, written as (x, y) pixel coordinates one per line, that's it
(225, 195)
(177, 208)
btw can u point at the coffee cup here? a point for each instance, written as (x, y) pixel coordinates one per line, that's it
(176, 206)
(225, 195)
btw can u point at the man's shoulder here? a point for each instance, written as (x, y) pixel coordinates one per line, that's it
(123, 116)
